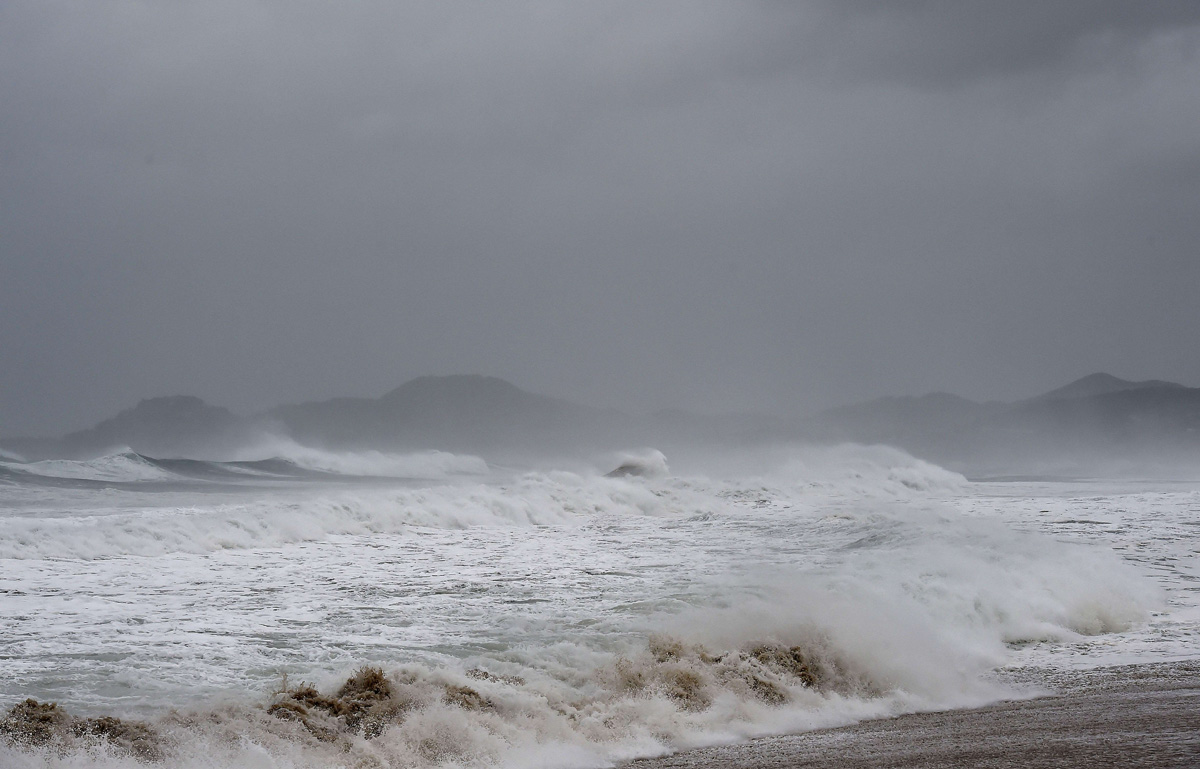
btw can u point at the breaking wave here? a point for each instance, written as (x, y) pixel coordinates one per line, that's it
(753, 594)
(264, 461)
(273, 516)
(283, 517)
(847, 470)
(570, 707)
(423, 465)
(793, 659)
(123, 466)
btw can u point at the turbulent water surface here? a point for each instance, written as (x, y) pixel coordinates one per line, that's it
(556, 617)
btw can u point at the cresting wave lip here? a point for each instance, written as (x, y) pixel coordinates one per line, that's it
(120, 466)
(128, 469)
(431, 464)
(276, 460)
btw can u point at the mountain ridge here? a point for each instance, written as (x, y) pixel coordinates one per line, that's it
(1102, 383)
(1097, 418)
(474, 413)
(447, 412)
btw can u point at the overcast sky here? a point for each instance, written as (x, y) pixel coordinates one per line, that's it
(775, 206)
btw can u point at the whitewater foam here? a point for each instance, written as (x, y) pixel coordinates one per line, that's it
(560, 618)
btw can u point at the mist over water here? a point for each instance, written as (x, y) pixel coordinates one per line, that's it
(434, 385)
(558, 615)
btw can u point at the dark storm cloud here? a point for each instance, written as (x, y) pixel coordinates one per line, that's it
(723, 205)
(935, 43)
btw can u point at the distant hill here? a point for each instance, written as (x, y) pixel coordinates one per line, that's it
(460, 412)
(1097, 419)
(177, 425)
(1094, 420)
(1103, 384)
(1133, 412)
(456, 413)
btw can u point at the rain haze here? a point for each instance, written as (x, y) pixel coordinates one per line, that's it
(495, 385)
(719, 206)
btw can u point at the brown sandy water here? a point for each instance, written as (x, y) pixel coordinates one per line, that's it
(1131, 716)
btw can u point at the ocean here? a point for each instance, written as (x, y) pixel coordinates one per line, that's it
(316, 609)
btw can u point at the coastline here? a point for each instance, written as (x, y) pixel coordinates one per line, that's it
(1145, 715)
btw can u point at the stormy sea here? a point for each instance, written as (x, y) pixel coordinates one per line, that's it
(315, 609)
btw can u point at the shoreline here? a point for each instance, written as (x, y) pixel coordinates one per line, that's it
(1145, 715)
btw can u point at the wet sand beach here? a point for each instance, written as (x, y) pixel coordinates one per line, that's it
(1134, 716)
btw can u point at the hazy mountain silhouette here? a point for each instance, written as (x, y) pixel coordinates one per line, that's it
(457, 413)
(1096, 419)
(177, 425)
(460, 412)
(1103, 384)
(1115, 412)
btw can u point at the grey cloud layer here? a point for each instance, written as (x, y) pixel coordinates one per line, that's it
(720, 205)
(935, 43)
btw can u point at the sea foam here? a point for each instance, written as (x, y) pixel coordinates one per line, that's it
(546, 618)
